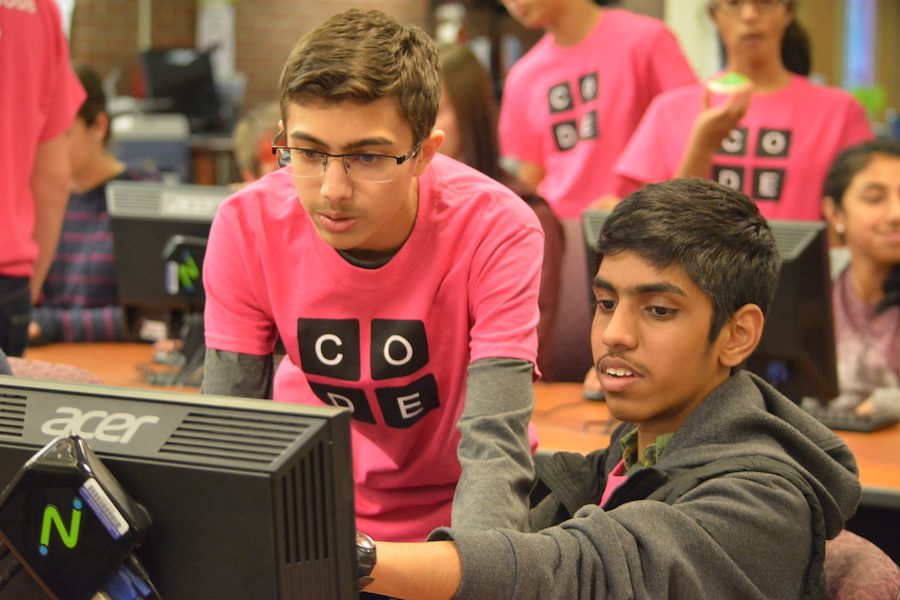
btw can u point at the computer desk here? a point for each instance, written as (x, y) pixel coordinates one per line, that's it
(564, 420)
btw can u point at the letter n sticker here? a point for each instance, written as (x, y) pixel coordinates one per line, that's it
(53, 520)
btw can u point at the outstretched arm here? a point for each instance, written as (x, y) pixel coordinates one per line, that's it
(428, 571)
(237, 374)
(494, 450)
(95, 324)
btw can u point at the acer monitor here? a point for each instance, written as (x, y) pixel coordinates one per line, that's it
(159, 242)
(247, 498)
(796, 353)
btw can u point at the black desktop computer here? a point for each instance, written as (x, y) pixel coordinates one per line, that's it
(246, 498)
(184, 79)
(159, 242)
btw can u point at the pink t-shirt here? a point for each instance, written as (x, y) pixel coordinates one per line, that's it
(395, 342)
(572, 110)
(39, 98)
(615, 478)
(778, 155)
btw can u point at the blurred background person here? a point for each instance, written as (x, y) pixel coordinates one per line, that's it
(862, 205)
(39, 96)
(572, 102)
(252, 138)
(467, 114)
(772, 138)
(79, 301)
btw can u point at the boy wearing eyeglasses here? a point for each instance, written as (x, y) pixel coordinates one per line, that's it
(402, 284)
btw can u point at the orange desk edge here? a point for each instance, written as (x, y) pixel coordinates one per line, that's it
(564, 420)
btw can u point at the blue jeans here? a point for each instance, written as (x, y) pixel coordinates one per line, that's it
(15, 314)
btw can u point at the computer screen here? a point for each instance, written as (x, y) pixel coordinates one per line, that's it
(184, 77)
(797, 351)
(159, 242)
(247, 498)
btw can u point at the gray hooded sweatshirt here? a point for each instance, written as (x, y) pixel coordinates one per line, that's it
(738, 506)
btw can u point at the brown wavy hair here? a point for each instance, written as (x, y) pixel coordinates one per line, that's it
(469, 89)
(364, 56)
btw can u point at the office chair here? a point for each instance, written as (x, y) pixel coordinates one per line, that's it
(857, 569)
(569, 356)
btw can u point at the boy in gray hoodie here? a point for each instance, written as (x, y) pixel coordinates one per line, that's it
(716, 486)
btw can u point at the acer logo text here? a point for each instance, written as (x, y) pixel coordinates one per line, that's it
(98, 425)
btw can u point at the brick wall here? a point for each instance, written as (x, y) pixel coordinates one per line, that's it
(104, 33)
(268, 29)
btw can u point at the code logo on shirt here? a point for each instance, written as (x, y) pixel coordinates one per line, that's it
(559, 97)
(767, 184)
(735, 143)
(568, 131)
(767, 181)
(732, 177)
(398, 348)
(404, 406)
(773, 142)
(331, 348)
(589, 86)
(345, 397)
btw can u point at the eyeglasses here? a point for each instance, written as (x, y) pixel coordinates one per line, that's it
(734, 7)
(359, 166)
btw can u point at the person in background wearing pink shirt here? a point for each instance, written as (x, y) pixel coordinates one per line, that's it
(573, 101)
(402, 284)
(39, 98)
(772, 139)
(252, 136)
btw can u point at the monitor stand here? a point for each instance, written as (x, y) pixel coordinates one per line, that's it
(188, 365)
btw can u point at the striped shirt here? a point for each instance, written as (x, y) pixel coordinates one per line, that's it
(80, 300)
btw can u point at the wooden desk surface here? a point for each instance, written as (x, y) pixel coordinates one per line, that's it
(119, 364)
(564, 420)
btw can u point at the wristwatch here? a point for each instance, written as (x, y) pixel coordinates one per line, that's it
(365, 558)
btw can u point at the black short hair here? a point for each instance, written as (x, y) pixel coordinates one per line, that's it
(843, 169)
(852, 160)
(714, 233)
(95, 102)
